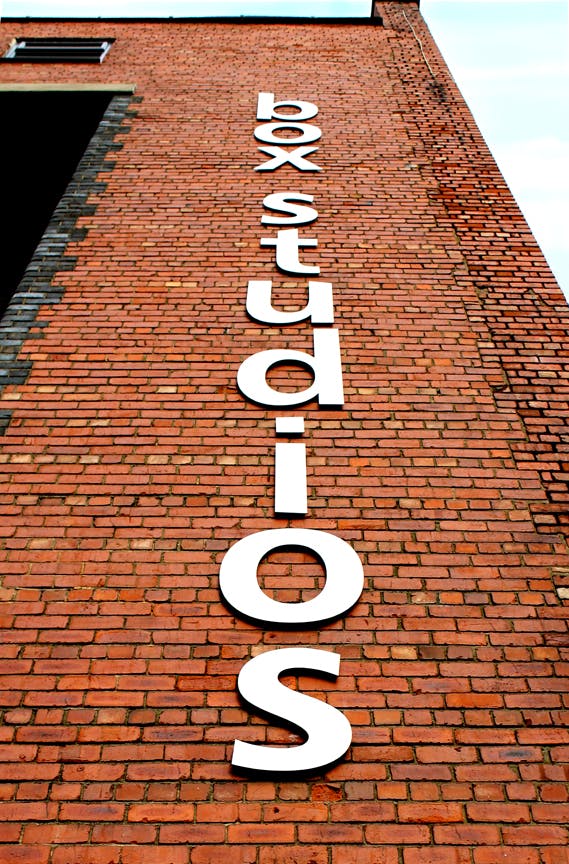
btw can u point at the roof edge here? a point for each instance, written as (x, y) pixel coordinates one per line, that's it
(69, 87)
(209, 19)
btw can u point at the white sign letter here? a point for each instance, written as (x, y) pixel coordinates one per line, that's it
(294, 157)
(329, 732)
(326, 367)
(239, 585)
(290, 479)
(287, 244)
(266, 108)
(267, 133)
(289, 425)
(308, 133)
(320, 306)
(282, 202)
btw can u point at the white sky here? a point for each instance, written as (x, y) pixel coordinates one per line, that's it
(510, 58)
(164, 8)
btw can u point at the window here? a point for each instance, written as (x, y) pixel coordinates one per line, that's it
(54, 50)
(35, 168)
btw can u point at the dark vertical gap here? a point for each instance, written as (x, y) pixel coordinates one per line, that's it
(47, 168)
(43, 139)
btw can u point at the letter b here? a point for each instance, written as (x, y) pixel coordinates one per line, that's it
(266, 109)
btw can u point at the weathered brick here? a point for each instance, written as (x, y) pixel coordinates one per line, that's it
(363, 855)
(25, 854)
(438, 855)
(144, 854)
(516, 855)
(161, 813)
(213, 854)
(498, 812)
(295, 855)
(432, 812)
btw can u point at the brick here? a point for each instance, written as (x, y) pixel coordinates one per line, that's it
(555, 855)
(282, 812)
(123, 834)
(142, 854)
(473, 835)
(517, 855)
(446, 754)
(498, 812)
(56, 833)
(212, 854)
(38, 811)
(558, 813)
(273, 833)
(363, 855)
(535, 835)
(372, 811)
(10, 833)
(297, 855)
(25, 854)
(87, 854)
(161, 813)
(192, 833)
(107, 812)
(394, 833)
(432, 812)
(511, 754)
(331, 834)
(438, 855)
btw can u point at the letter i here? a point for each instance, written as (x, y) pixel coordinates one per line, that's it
(290, 470)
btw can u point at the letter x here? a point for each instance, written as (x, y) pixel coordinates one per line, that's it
(281, 157)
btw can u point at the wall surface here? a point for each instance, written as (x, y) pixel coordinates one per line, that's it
(132, 462)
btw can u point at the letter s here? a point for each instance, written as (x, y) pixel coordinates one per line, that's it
(329, 732)
(283, 203)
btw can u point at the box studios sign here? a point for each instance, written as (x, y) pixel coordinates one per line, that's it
(328, 732)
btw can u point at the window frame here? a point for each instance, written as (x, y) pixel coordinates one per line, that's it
(58, 49)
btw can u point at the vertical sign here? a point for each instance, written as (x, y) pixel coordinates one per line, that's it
(328, 732)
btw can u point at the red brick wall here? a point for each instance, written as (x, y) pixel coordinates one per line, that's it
(132, 463)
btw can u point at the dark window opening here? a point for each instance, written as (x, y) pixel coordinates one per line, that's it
(57, 50)
(45, 136)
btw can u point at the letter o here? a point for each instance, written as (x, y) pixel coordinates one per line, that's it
(308, 133)
(239, 585)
